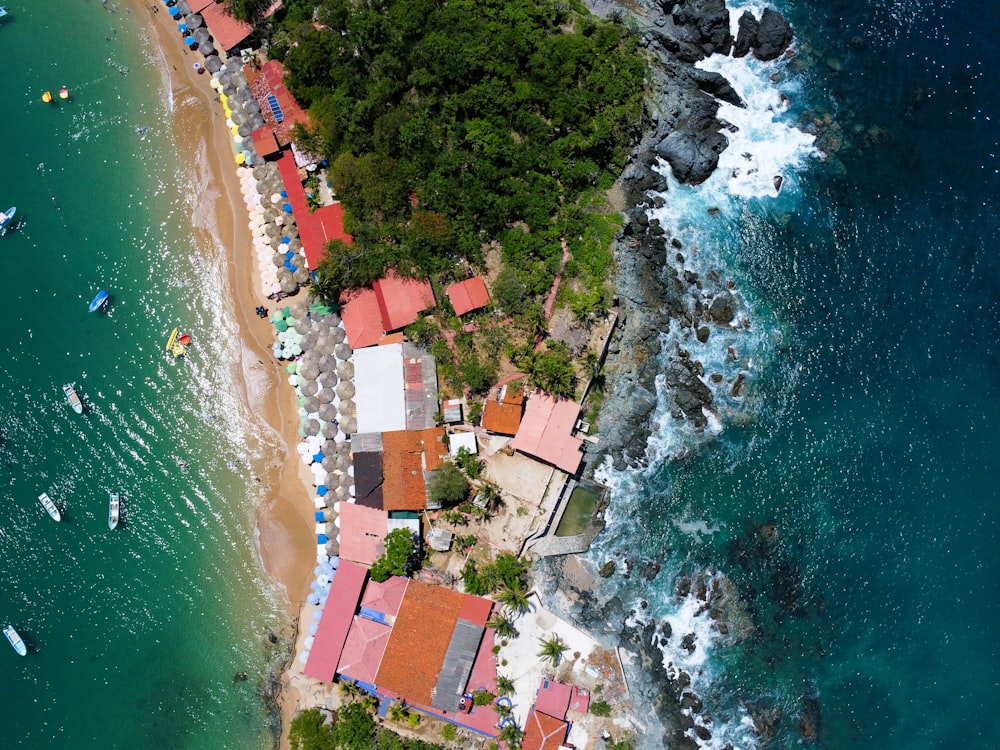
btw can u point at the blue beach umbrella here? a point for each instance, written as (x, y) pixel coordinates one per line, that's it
(182, 28)
(287, 207)
(286, 240)
(322, 519)
(284, 193)
(321, 539)
(318, 456)
(313, 599)
(189, 41)
(289, 255)
(318, 615)
(313, 628)
(174, 12)
(322, 490)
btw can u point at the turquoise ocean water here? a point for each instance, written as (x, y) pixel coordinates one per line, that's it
(851, 497)
(135, 635)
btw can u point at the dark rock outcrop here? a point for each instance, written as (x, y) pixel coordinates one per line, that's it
(773, 36)
(746, 34)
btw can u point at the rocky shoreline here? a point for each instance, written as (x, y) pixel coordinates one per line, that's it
(655, 292)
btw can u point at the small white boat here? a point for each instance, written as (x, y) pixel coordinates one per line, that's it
(15, 640)
(73, 398)
(50, 506)
(114, 505)
(6, 217)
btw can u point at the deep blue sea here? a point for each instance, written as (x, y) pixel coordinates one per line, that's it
(851, 496)
(135, 636)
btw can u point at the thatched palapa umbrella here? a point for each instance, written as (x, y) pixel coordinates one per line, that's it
(213, 63)
(328, 363)
(343, 351)
(345, 390)
(326, 380)
(311, 427)
(328, 412)
(194, 21)
(338, 335)
(349, 425)
(345, 370)
(325, 396)
(347, 408)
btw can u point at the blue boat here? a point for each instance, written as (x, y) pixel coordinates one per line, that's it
(99, 301)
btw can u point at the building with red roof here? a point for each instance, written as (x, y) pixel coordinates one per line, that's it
(331, 635)
(546, 432)
(401, 300)
(502, 414)
(435, 638)
(393, 303)
(227, 31)
(468, 295)
(362, 532)
(543, 732)
(316, 228)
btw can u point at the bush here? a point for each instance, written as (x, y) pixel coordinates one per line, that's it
(448, 732)
(600, 708)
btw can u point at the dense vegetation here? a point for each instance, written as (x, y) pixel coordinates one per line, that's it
(353, 729)
(399, 557)
(450, 125)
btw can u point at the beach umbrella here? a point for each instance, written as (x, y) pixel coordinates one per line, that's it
(314, 627)
(318, 457)
(303, 326)
(345, 370)
(347, 408)
(322, 490)
(183, 7)
(301, 275)
(312, 599)
(337, 335)
(349, 425)
(326, 380)
(182, 28)
(325, 396)
(206, 48)
(256, 121)
(309, 388)
(311, 427)
(174, 13)
(312, 407)
(327, 412)
(328, 363)
(330, 463)
(345, 390)
(194, 21)
(343, 351)
(213, 63)
(343, 461)
(310, 371)
(202, 35)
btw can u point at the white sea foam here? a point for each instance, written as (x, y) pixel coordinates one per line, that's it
(710, 220)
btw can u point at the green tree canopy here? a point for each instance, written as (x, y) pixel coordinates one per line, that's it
(448, 486)
(399, 557)
(448, 124)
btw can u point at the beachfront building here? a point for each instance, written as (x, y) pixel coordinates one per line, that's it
(467, 296)
(548, 726)
(405, 640)
(228, 33)
(392, 303)
(546, 432)
(408, 459)
(396, 387)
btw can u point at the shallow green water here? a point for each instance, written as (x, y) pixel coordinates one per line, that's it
(579, 510)
(135, 635)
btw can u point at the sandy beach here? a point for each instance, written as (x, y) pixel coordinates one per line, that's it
(284, 515)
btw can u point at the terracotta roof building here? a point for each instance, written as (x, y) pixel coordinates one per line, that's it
(468, 295)
(434, 642)
(546, 432)
(543, 732)
(407, 456)
(502, 415)
(362, 319)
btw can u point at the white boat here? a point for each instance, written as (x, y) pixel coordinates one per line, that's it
(7, 216)
(50, 506)
(113, 508)
(73, 398)
(15, 640)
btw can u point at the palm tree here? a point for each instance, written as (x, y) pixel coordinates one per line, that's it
(511, 735)
(516, 600)
(348, 689)
(552, 649)
(396, 712)
(503, 625)
(505, 685)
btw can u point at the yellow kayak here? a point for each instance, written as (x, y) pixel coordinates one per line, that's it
(174, 346)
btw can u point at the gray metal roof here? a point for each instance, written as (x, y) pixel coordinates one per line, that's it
(458, 661)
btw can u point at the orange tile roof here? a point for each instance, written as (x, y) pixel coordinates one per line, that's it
(468, 295)
(432, 442)
(501, 418)
(403, 471)
(419, 641)
(543, 732)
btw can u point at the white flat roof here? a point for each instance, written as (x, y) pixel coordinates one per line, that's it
(467, 440)
(380, 390)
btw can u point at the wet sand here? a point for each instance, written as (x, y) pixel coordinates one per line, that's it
(285, 512)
